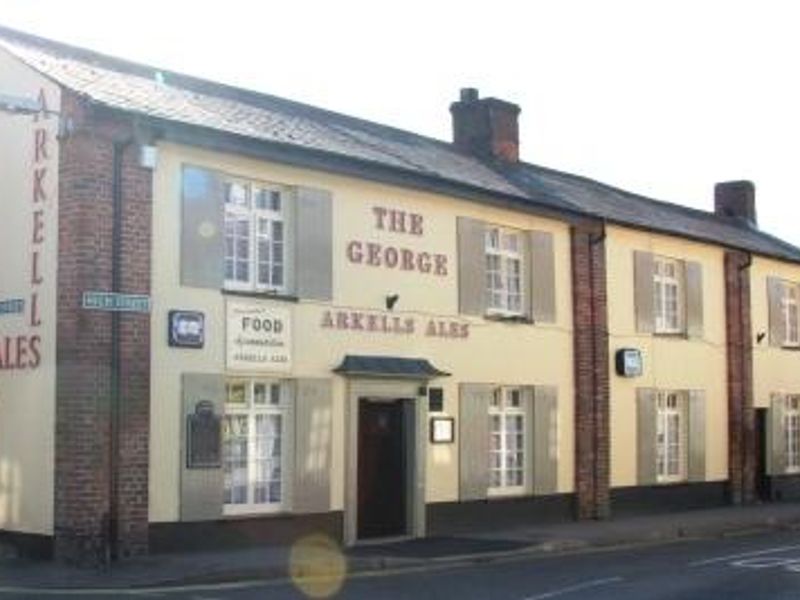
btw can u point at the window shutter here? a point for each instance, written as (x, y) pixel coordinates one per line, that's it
(646, 435)
(643, 291)
(313, 422)
(471, 267)
(545, 440)
(202, 490)
(313, 247)
(474, 441)
(542, 278)
(693, 279)
(776, 436)
(777, 326)
(528, 396)
(696, 436)
(202, 229)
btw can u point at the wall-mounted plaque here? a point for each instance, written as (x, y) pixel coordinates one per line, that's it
(203, 437)
(187, 329)
(443, 430)
(629, 362)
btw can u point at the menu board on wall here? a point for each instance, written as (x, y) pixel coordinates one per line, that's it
(259, 338)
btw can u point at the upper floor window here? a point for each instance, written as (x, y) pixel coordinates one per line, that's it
(255, 447)
(507, 460)
(789, 314)
(255, 237)
(667, 295)
(792, 429)
(504, 265)
(670, 433)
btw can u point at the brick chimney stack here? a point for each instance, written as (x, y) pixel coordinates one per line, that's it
(736, 199)
(486, 127)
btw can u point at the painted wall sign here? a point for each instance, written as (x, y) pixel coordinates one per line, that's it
(15, 306)
(259, 337)
(23, 351)
(385, 323)
(187, 329)
(388, 256)
(111, 302)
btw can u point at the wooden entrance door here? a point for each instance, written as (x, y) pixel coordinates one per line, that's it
(381, 469)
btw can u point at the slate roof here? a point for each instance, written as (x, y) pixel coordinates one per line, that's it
(185, 100)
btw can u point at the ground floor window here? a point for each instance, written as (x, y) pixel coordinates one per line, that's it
(792, 417)
(507, 458)
(255, 445)
(670, 437)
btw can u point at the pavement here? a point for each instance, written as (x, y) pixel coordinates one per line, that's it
(318, 557)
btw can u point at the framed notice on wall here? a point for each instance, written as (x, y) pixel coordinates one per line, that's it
(259, 337)
(443, 430)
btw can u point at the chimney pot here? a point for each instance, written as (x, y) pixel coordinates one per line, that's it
(736, 199)
(469, 94)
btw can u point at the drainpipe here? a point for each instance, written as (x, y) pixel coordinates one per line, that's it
(112, 549)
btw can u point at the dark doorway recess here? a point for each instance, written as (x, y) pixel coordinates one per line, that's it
(382, 469)
(762, 479)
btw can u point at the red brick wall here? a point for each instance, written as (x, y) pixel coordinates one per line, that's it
(83, 378)
(591, 364)
(739, 347)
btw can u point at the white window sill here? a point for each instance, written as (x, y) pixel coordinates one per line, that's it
(263, 294)
(252, 510)
(509, 317)
(672, 479)
(507, 492)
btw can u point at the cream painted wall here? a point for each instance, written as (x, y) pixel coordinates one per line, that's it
(27, 397)
(774, 369)
(669, 363)
(495, 352)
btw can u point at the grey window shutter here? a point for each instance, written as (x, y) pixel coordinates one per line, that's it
(313, 247)
(471, 266)
(545, 440)
(202, 229)
(696, 435)
(542, 277)
(643, 291)
(777, 326)
(646, 435)
(473, 438)
(693, 279)
(202, 490)
(776, 436)
(528, 398)
(313, 423)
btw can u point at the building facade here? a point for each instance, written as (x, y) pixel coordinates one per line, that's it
(230, 319)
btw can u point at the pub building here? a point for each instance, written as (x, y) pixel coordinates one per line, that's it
(230, 319)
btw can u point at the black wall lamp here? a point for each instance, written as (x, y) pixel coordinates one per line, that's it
(391, 301)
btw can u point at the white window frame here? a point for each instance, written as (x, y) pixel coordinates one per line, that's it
(790, 315)
(277, 403)
(792, 433)
(668, 319)
(671, 446)
(251, 213)
(507, 403)
(505, 247)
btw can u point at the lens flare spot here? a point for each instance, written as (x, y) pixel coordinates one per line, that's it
(317, 566)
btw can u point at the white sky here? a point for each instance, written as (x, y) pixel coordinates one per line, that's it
(662, 98)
